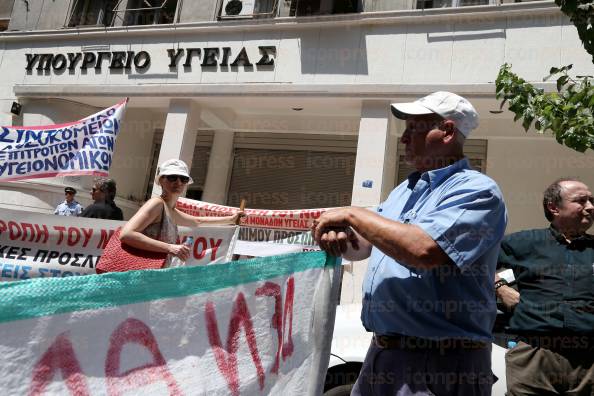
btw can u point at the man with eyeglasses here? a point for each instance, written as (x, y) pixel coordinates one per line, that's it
(432, 247)
(103, 207)
(553, 311)
(70, 207)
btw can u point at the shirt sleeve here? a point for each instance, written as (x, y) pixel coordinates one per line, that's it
(466, 224)
(505, 259)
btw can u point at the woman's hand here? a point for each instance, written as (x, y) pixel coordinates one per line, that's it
(181, 251)
(236, 218)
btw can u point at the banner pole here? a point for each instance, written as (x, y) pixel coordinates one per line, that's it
(241, 209)
(235, 257)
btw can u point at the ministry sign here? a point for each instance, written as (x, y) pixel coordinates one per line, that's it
(208, 57)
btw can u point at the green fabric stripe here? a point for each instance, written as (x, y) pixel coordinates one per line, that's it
(50, 296)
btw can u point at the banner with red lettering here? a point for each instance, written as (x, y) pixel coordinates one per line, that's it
(83, 147)
(290, 229)
(36, 245)
(254, 327)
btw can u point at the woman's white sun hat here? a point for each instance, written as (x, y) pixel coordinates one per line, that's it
(172, 167)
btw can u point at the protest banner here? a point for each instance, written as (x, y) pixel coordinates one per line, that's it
(254, 327)
(283, 227)
(83, 147)
(37, 245)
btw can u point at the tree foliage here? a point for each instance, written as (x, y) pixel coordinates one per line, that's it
(581, 14)
(567, 113)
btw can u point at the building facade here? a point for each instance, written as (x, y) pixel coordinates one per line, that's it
(282, 102)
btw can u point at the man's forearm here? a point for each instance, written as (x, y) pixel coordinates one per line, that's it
(406, 243)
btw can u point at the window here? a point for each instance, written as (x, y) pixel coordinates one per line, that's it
(323, 7)
(91, 13)
(5, 12)
(149, 12)
(423, 4)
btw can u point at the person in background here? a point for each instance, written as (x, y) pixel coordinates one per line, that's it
(154, 226)
(70, 207)
(103, 207)
(110, 199)
(432, 247)
(553, 309)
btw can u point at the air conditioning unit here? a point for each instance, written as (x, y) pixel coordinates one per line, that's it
(237, 8)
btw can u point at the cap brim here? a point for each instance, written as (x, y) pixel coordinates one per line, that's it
(407, 110)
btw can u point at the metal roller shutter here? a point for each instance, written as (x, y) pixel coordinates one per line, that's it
(292, 171)
(474, 149)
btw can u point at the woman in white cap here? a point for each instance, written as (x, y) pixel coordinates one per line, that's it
(154, 226)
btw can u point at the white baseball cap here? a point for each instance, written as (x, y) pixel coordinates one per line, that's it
(172, 167)
(445, 104)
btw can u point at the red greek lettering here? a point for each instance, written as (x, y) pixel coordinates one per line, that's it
(135, 331)
(105, 235)
(73, 236)
(214, 244)
(273, 290)
(28, 230)
(226, 357)
(200, 253)
(87, 234)
(14, 231)
(59, 357)
(62, 231)
(41, 233)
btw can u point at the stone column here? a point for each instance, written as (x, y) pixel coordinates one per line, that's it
(374, 178)
(376, 155)
(179, 135)
(219, 168)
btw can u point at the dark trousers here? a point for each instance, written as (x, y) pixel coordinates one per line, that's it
(532, 370)
(417, 371)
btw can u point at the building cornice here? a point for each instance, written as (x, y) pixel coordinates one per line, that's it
(453, 15)
(362, 91)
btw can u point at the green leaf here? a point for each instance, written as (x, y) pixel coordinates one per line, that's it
(567, 113)
(560, 82)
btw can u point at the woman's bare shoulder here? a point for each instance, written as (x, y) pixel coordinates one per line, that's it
(153, 205)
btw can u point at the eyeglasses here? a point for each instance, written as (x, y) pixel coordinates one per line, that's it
(173, 178)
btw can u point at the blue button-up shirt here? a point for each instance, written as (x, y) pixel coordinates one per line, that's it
(463, 211)
(69, 209)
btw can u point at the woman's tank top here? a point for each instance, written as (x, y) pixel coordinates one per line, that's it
(164, 230)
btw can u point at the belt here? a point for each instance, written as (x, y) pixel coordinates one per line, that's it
(416, 343)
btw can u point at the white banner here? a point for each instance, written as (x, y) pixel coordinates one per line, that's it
(259, 327)
(36, 245)
(82, 147)
(265, 232)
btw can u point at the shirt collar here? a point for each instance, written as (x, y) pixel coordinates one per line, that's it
(559, 237)
(437, 176)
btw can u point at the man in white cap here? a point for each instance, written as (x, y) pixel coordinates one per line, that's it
(432, 246)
